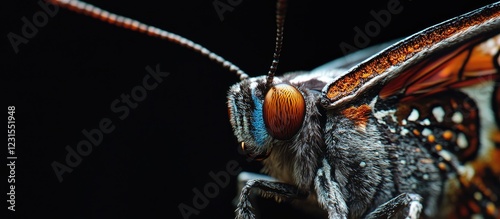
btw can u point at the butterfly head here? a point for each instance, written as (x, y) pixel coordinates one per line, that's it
(260, 114)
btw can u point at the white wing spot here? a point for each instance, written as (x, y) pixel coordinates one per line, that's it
(438, 113)
(426, 122)
(404, 132)
(457, 117)
(446, 155)
(426, 132)
(462, 141)
(413, 115)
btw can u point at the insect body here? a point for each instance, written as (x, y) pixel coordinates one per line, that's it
(410, 131)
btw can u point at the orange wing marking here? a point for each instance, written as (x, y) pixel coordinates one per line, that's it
(359, 115)
(467, 65)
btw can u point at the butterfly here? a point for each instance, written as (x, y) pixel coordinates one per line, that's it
(381, 131)
(409, 131)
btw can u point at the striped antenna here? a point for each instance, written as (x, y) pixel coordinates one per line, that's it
(280, 22)
(134, 25)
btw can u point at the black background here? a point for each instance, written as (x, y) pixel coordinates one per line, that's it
(66, 77)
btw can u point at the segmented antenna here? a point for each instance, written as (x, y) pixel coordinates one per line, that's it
(134, 25)
(280, 22)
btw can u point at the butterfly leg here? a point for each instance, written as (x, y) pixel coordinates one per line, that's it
(243, 179)
(405, 205)
(329, 195)
(277, 190)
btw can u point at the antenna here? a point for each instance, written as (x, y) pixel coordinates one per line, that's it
(280, 21)
(134, 25)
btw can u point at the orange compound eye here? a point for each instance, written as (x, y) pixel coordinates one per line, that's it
(284, 110)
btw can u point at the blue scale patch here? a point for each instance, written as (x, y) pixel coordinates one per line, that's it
(259, 131)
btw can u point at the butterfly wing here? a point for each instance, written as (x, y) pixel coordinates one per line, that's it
(393, 61)
(440, 87)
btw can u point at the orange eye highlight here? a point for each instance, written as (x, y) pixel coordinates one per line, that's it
(284, 110)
